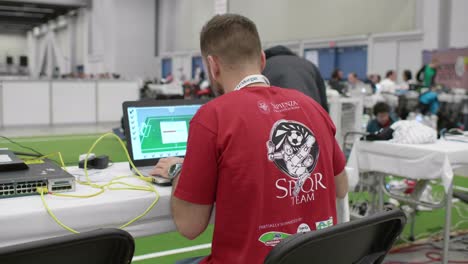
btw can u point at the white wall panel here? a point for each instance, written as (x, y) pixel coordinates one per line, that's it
(135, 36)
(431, 24)
(81, 37)
(280, 20)
(25, 103)
(459, 24)
(384, 57)
(73, 102)
(111, 95)
(181, 22)
(409, 57)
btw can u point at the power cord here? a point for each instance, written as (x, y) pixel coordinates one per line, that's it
(114, 184)
(18, 153)
(22, 146)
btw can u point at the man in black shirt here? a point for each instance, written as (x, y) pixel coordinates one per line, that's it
(286, 69)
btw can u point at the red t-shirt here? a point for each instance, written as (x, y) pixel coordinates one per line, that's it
(247, 151)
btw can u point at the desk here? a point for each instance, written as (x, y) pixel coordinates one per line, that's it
(423, 161)
(420, 162)
(25, 219)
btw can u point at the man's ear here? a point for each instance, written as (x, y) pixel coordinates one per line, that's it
(213, 67)
(263, 61)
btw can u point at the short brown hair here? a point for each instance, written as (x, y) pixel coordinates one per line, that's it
(389, 73)
(381, 107)
(232, 38)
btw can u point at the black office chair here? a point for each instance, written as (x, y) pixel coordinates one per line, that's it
(103, 246)
(363, 241)
(463, 196)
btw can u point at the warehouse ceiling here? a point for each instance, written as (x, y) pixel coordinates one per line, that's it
(21, 16)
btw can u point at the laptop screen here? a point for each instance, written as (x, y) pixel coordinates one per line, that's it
(159, 131)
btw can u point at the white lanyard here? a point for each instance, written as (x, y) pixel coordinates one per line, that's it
(258, 78)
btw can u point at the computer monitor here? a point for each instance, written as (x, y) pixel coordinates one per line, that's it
(158, 129)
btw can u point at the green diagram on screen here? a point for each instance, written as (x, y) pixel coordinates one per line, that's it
(167, 133)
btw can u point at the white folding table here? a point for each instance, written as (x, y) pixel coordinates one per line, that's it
(25, 219)
(419, 162)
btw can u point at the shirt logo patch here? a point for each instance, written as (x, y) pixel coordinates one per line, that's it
(324, 224)
(264, 108)
(273, 238)
(303, 228)
(285, 106)
(293, 149)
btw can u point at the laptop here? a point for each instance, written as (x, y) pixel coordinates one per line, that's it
(156, 129)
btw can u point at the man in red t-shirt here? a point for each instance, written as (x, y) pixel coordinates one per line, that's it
(266, 156)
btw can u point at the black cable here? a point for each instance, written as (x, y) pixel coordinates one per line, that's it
(22, 146)
(26, 154)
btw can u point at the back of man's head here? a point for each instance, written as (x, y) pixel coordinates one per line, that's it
(233, 39)
(353, 78)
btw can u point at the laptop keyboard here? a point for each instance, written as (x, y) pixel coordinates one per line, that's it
(145, 170)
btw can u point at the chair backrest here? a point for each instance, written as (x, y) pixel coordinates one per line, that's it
(461, 195)
(363, 241)
(103, 246)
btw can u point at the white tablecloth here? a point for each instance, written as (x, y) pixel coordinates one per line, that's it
(25, 219)
(423, 161)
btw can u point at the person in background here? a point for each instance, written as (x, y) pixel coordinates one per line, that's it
(389, 83)
(336, 81)
(429, 102)
(286, 69)
(407, 80)
(182, 76)
(378, 78)
(382, 119)
(369, 78)
(427, 74)
(197, 78)
(353, 80)
(375, 82)
(388, 89)
(372, 81)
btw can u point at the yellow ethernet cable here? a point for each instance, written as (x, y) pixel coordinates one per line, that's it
(119, 185)
(41, 191)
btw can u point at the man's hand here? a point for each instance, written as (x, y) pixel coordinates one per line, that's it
(162, 168)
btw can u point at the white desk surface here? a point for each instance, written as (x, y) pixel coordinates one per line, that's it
(416, 161)
(25, 219)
